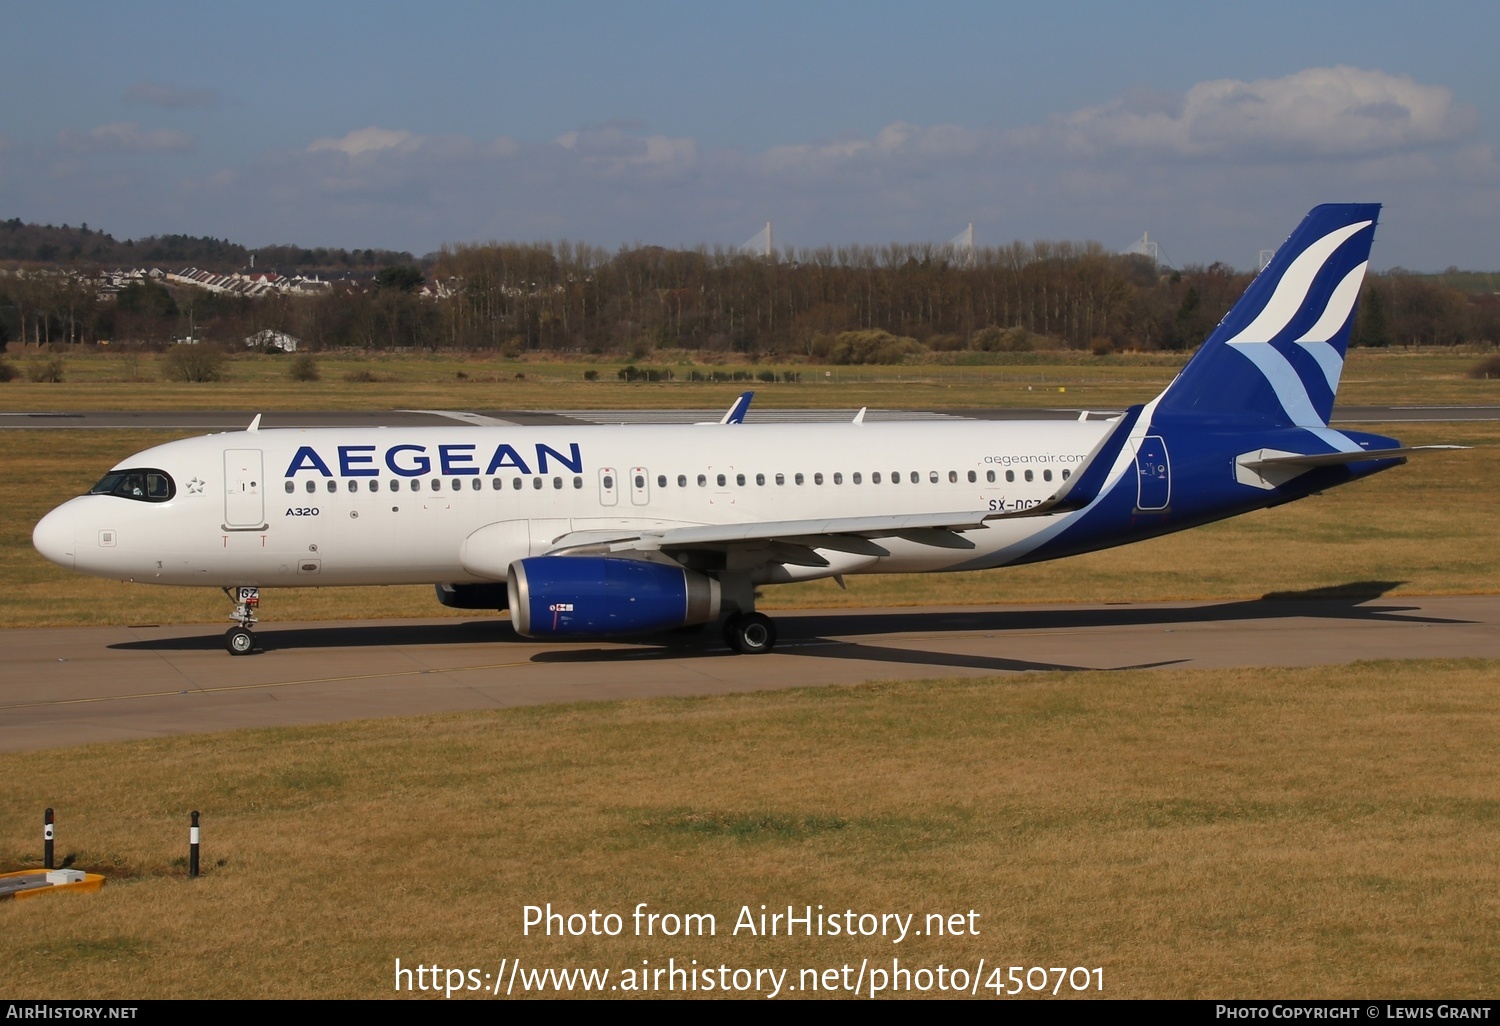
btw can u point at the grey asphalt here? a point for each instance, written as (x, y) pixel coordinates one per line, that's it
(71, 686)
(205, 421)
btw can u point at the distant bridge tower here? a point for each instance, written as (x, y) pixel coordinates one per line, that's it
(1147, 247)
(962, 246)
(760, 243)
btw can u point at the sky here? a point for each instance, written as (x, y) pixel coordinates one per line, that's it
(1214, 127)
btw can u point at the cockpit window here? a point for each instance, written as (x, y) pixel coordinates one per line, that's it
(143, 485)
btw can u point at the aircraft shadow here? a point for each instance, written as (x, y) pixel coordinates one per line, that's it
(828, 634)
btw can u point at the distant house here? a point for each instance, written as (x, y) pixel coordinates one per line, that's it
(270, 339)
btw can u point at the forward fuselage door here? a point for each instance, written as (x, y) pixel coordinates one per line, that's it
(1154, 472)
(244, 489)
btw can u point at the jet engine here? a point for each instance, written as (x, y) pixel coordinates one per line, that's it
(598, 596)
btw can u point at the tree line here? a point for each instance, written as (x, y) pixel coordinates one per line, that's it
(65, 245)
(851, 304)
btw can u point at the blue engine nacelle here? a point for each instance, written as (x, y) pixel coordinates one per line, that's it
(597, 596)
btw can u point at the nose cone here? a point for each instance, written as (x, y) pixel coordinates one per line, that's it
(55, 536)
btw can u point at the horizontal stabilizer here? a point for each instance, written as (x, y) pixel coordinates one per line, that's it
(1272, 468)
(1334, 459)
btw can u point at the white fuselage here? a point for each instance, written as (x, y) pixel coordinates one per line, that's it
(401, 505)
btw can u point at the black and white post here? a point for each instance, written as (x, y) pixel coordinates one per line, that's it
(47, 832)
(193, 848)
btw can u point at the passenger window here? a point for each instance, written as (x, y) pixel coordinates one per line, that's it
(437, 484)
(915, 477)
(478, 484)
(1067, 474)
(455, 483)
(578, 482)
(838, 478)
(855, 478)
(702, 480)
(395, 485)
(1046, 475)
(739, 479)
(817, 479)
(989, 475)
(896, 477)
(536, 484)
(798, 479)
(973, 477)
(557, 483)
(1010, 475)
(781, 479)
(496, 483)
(515, 484)
(760, 479)
(721, 481)
(953, 477)
(661, 480)
(416, 485)
(290, 487)
(1028, 475)
(609, 482)
(353, 485)
(681, 480)
(875, 477)
(932, 476)
(312, 486)
(640, 480)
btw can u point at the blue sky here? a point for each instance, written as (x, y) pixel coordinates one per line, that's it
(1213, 126)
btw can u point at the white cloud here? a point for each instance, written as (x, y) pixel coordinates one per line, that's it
(367, 140)
(1318, 112)
(168, 97)
(126, 137)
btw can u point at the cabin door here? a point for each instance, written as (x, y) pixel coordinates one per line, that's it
(1154, 473)
(244, 489)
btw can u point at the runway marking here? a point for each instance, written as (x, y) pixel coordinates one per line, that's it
(264, 684)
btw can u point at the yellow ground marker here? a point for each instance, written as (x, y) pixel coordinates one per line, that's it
(30, 883)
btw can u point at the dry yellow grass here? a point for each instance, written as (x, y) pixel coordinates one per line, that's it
(1323, 832)
(116, 381)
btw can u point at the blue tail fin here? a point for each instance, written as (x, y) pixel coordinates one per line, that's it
(1276, 357)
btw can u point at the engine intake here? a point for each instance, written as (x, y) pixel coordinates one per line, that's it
(600, 596)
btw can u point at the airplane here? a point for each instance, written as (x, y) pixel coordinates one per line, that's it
(593, 531)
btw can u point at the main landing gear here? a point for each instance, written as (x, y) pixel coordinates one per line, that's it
(238, 639)
(750, 633)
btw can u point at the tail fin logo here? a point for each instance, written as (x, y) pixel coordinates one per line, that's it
(1255, 339)
(1292, 325)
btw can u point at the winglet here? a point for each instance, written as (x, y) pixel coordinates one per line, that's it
(859, 418)
(1084, 487)
(254, 424)
(737, 410)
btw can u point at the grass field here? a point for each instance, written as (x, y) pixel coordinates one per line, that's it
(118, 381)
(1322, 832)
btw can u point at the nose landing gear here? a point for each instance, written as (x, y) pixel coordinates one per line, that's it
(238, 640)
